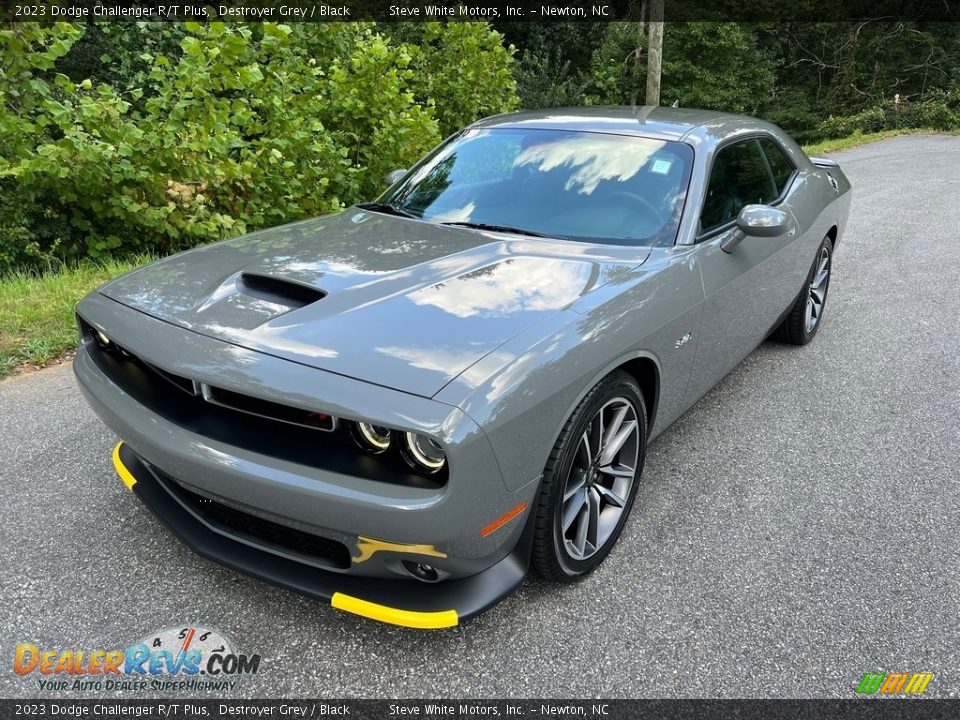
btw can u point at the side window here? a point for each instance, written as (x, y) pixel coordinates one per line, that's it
(781, 167)
(739, 177)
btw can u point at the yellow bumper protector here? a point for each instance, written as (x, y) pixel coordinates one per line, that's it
(368, 546)
(395, 616)
(128, 479)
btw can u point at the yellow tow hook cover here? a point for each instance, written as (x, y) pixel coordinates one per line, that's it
(128, 479)
(395, 616)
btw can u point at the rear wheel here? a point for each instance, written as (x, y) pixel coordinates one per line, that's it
(802, 323)
(590, 480)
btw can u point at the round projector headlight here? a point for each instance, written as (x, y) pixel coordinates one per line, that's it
(375, 438)
(423, 453)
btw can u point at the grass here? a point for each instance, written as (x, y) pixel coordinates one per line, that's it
(37, 322)
(857, 139)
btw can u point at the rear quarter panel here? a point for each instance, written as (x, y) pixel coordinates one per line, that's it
(819, 202)
(818, 206)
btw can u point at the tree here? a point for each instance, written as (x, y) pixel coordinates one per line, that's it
(716, 66)
(552, 66)
(655, 52)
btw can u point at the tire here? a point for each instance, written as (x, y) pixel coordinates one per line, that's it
(606, 496)
(796, 329)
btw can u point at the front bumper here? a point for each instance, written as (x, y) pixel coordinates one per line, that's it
(380, 527)
(399, 602)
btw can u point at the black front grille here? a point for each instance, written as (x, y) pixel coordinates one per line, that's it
(269, 409)
(267, 428)
(264, 532)
(181, 382)
(227, 398)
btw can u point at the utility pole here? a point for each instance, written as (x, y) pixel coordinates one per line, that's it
(655, 52)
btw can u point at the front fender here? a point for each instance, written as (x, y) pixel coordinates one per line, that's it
(522, 394)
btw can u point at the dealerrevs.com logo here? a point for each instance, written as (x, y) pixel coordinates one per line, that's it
(190, 658)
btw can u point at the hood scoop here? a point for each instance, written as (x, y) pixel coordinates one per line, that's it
(278, 291)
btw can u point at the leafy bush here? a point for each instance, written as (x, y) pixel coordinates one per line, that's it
(952, 98)
(932, 115)
(459, 89)
(121, 54)
(872, 120)
(17, 246)
(244, 126)
(929, 115)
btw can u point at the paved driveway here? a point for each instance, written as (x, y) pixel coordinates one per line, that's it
(797, 528)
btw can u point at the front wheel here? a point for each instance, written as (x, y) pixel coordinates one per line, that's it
(590, 480)
(799, 327)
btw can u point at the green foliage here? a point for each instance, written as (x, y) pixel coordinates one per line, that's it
(952, 98)
(553, 60)
(133, 137)
(717, 66)
(465, 71)
(855, 70)
(849, 67)
(618, 69)
(377, 124)
(210, 130)
(121, 54)
(798, 75)
(17, 246)
(930, 115)
(791, 109)
(868, 121)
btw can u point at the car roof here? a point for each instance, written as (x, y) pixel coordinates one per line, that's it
(662, 123)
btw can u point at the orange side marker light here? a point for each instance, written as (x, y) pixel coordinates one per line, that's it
(503, 519)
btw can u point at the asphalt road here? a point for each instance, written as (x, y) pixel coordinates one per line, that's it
(797, 528)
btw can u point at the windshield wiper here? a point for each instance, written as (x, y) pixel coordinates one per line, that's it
(387, 209)
(504, 229)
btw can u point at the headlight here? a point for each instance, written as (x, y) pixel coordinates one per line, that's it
(374, 438)
(420, 452)
(423, 453)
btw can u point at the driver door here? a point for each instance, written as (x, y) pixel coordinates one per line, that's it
(744, 290)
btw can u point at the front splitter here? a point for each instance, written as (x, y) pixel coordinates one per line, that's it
(408, 603)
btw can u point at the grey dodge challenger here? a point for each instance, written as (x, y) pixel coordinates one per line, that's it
(399, 408)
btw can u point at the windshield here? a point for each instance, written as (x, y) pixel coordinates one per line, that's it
(576, 185)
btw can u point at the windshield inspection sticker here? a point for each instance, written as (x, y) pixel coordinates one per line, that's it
(661, 167)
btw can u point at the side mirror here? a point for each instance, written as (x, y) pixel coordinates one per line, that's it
(394, 177)
(756, 221)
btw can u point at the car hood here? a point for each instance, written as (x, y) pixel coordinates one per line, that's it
(402, 303)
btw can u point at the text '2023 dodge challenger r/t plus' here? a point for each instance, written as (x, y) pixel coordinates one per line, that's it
(401, 407)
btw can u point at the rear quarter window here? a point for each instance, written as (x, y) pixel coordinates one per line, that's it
(780, 166)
